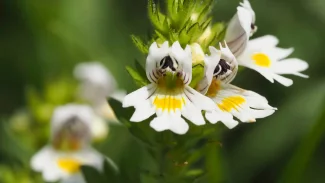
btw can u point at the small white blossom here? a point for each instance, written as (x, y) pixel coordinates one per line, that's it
(230, 100)
(265, 57)
(169, 96)
(70, 146)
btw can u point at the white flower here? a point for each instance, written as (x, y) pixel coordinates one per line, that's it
(221, 64)
(231, 101)
(70, 145)
(240, 28)
(97, 83)
(59, 165)
(169, 96)
(265, 57)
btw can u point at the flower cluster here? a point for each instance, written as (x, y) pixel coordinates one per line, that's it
(176, 94)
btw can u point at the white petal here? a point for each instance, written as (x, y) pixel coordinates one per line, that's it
(200, 101)
(245, 4)
(96, 78)
(244, 105)
(280, 53)
(168, 122)
(119, 95)
(184, 57)
(99, 129)
(139, 95)
(179, 126)
(290, 66)
(267, 41)
(210, 63)
(143, 111)
(284, 81)
(76, 178)
(53, 174)
(238, 31)
(192, 113)
(261, 113)
(44, 155)
(226, 118)
(155, 55)
(160, 123)
(90, 157)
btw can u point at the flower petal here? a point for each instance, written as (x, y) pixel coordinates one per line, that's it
(238, 31)
(155, 55)
(218, 115)
(169, 122)
(290, 66)
(283, 80)
(143, 111)
(192, 113)
(139, 95)
(210, 63)
(183, 57)
(200, 101)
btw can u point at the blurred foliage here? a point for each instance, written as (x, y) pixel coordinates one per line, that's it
(43, 40)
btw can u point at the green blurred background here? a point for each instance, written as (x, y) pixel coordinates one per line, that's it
(42, 40)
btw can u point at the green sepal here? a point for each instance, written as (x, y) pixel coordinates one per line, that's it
(158, 20)
(144, 48)
(138, 79)
(197, 74)
(217, 34)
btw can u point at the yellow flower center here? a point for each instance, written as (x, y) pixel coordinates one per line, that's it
(169, 103)
(69, 165)
(262, 60)
(214, 88)
(229, 103)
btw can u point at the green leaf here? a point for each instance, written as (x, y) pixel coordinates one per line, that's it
(139, 80)
(92, 175)
(197, 75)
(140, 69)
(120, 112)
(144, 48)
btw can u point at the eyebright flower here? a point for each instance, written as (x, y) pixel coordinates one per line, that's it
(260, 54)
(240, 28)
(97, 83)
(230, 100)
(265, 57)
(169, 96)
(70, 145)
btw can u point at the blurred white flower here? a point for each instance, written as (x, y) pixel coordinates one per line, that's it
(240, 28)
(230, 100)
(97, 84)
(169, 96)
(70, 145)
(262, 55)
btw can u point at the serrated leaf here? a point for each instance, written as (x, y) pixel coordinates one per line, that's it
(120, 112)
(197, 75)
(156, 17)
(144, 48)
(139, 80)
(140, 69)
